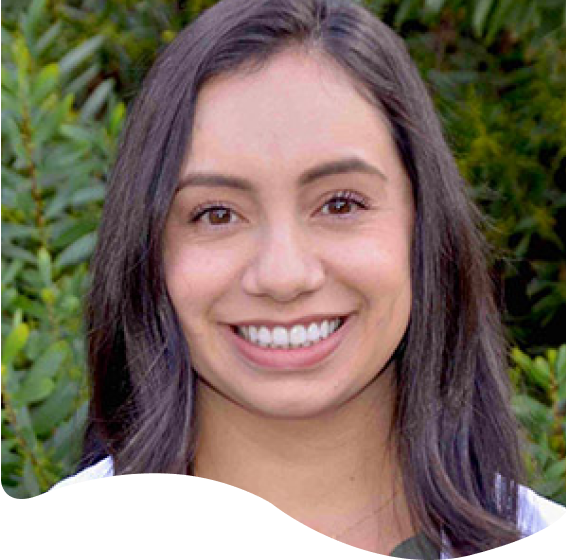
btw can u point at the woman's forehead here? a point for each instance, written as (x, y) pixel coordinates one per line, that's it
(295, 107)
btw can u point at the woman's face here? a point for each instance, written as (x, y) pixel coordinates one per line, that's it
(312, 220)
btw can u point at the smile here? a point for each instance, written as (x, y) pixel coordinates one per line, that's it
(272, 350)
(298, 336)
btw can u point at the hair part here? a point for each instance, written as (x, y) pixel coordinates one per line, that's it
(456, 437)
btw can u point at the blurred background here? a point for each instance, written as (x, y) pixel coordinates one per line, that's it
(497, 73)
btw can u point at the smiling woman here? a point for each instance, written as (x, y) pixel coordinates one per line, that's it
(290, 292)
(318, 230)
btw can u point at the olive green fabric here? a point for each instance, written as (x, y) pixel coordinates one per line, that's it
(416, 548)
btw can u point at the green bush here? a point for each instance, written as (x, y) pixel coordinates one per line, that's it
(540, 406)
(497, 73)
(54, 160)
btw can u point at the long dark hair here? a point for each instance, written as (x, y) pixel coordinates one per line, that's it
(457, 440)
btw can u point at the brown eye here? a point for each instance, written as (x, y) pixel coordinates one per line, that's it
(217, 215)
(340, 205)
(344, 204)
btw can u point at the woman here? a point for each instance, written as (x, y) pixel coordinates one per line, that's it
(290, 293)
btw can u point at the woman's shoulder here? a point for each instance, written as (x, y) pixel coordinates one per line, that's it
(102, 469)
(536, 512)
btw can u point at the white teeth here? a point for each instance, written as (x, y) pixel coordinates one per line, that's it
(297, 336)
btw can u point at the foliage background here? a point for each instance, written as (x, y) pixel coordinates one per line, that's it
(497, 72)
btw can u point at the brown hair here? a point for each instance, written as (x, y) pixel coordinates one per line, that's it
(457, 439)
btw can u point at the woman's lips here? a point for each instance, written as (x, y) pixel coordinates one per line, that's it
(292, 358)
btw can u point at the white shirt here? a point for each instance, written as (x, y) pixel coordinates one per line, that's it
(535, 512)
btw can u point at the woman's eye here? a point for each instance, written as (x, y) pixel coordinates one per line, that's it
(216, 216)
(219, 215)
(343, 205)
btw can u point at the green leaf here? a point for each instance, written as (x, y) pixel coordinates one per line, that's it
(48, 38)
(34, 390)
(536, 371)
(12, 271)
(521, 359)
(80, 54)
(38, 383)
(479, 17)
(56, 408)
(116, 119)
(14, 344)
(25, 428)
(434, 6)
(48, 364)
(67, 439)
(556, 470)
(22, 59)
(45, 83)
(18, 231)
(37, 344)
(94, 193)
(77, 252)
(73, 231)
(541, 372)
(535, 416)
(79, 134)
(53, 120)
(96, 100)
(44, 266)
(80, 82)
(32, 19)
(13, 134)
(30, 481)
(9, 81)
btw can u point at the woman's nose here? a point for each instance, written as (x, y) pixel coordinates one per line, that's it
(284, 265)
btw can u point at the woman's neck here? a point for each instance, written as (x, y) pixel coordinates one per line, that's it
(336, 473)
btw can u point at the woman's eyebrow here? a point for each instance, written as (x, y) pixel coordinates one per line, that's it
(335, 167)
